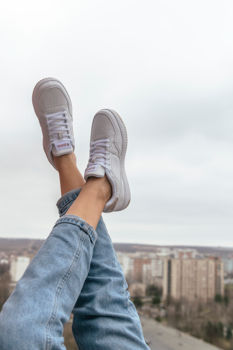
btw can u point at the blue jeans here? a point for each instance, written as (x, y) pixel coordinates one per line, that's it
(76, 270)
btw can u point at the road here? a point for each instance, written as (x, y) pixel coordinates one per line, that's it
(165, 338)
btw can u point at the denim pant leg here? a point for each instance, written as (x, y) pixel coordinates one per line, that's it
(104, 316)
(34, 314)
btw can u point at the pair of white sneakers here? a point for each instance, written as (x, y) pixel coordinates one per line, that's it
(108, 142)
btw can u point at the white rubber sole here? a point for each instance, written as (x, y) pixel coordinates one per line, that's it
(115, 118)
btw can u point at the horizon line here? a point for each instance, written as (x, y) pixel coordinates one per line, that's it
(135, 243)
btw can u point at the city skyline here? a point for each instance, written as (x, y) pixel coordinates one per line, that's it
(177, 272)
(167, 68)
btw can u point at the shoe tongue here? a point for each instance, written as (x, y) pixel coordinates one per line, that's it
(97, 171)
(61, 147)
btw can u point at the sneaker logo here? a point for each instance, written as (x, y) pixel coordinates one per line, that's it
(59, 146)
(63, 145)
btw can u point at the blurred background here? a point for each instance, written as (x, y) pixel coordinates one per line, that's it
(166, 67)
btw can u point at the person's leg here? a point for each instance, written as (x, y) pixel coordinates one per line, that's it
(104, 305)
(69, 175)
(104, 316)
(34, 314)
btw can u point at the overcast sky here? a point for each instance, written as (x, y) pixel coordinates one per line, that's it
(167, 67)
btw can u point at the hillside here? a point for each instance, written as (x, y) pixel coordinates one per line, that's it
(13, 245)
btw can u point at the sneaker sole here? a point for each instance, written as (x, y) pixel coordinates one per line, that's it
(115, 118)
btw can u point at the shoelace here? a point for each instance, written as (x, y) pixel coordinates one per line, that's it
(58, 126)
(99, 154)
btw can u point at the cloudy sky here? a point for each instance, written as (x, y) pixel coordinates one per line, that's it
(167, 67)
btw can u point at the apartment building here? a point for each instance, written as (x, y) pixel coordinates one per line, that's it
(193, 278)
(18, 267)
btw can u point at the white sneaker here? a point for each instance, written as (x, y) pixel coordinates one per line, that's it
(108, 146)
(53, 108)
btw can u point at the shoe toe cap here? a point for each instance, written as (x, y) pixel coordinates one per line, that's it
(50, 96)
(103, 127)
(50, 99)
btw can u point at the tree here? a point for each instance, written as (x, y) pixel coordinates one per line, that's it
(153, 290)
(229, 333)
(158, 319)
(210, 332)
(218, 298)
(219, 329)
(4, 283)
(226, 300)
(3, 269)
(137, 301)
(156, 300)
(213, 331)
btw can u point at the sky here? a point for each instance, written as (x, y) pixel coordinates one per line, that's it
(167, 67)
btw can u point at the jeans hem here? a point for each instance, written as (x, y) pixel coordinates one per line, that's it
(82, 224)
(66, 199)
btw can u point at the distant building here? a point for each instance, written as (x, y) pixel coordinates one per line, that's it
(219, 276)
(142, 267)
(138, 264)
(185, 253)
(228, 281)
(18, 267)
(4, 261)
(193, 278)
(3, 258)
(125, 261)
(137, 290)
(228, 266)
(183, 273)
(164, 251)
(152, 272)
